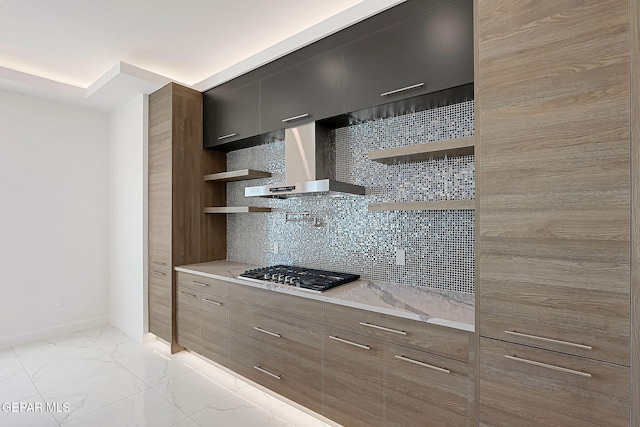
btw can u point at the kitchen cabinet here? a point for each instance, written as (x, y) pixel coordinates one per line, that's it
(436, 339)
(272, 347)
(179, 232)
(554, 190)
(189, 319)
(423, 389)
(311, 90)
(232, 115)
(353, 378)
(526, 386)
(428, 53)
(202, 319)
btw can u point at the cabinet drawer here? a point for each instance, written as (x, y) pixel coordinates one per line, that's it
(215, 328)
(353, 378)
(433, 338)
(285, 376)
(295, 306)
(525, 386)
(188, 319)
(558, 318)
(292, 337)
(204, 284)
(160, 312)
(423, 389)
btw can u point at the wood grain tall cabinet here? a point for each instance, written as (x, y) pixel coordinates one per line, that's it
(179, 231)
(558, 257)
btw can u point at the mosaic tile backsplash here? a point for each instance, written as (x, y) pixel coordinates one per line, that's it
(341, 234)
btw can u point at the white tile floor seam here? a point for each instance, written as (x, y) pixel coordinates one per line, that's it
(108, 379)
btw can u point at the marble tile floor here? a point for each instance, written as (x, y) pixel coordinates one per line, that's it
(101, 377)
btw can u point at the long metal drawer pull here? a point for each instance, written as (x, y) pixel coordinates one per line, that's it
(159, 273)
(204, 285)
(158, 263)
(544, 365)
(273, 334)
(355, 344)
(227, 136)
(382, 328)
(189, 295)
(426, 365)
(391, 92)
(264, 371)
(290, 119)
(211, 301)
(571, 344)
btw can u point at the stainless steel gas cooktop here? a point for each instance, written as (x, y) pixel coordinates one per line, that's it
(300, 277)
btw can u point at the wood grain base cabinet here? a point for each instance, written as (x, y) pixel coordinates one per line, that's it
(422, 389)
(189, 319)
(530, 387)
(353, 376)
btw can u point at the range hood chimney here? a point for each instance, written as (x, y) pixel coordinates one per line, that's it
(310, 166)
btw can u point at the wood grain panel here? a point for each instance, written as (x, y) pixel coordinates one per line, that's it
(514, 393)
(553, 181)
(298, 339)
(295, 306)
(297, 382)
(188, 319)
(353, 379)
(634, 18)
(418, 396)
(215, 328)
(436, 339)
(160, 309)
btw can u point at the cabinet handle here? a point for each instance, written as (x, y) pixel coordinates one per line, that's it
(264, 371)
(391, 92)
(211, 301)
(426, 365)
(227, 136)
(571, 344)
(159, 273)
(382, 328)
(204, 285)
(159, 263)
(189, 295)
(355, 344)
(544, 365)
(290, 119)
(273, 334)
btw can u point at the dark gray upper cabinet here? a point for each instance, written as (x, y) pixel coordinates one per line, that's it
(427, 53)
(231, 116)
(309, 91)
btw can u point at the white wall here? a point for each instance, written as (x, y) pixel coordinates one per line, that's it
(53, 218)
(127, 214)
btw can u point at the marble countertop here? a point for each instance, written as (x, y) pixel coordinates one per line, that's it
(451, 309)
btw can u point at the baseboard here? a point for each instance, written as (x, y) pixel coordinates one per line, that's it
(46, 333)
(126, 328)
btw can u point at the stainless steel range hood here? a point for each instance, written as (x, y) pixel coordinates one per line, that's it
(310, 162)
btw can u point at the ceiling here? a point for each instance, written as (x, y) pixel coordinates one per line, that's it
(73, 48)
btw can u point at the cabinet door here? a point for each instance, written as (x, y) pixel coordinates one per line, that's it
(554, 179)
(188, 319)
(160, 163)
(308, 91)
(232, 115)
(160, 308)
(215, 328)
(527, 387)
(295, 338)
(425, 54)
(353, 378)
(422, 389)
(288, 377)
